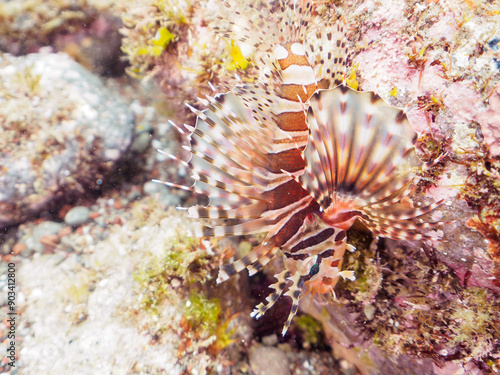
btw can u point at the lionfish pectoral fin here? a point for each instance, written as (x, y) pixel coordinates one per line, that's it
(394, 221)
(356, 146)
(176, 186)
(253, 261)
(262, 262)
(273, 297)
(399, 230)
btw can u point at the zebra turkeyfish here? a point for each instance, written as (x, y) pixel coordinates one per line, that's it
(298, 156)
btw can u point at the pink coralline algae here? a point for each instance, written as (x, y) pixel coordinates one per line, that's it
(490, 122)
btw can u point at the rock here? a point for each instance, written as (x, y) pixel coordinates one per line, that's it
(77, 215)
(145, 117)
(141, 143)
(47, 228)
(152, 188)
(82, 307)
(369, 311)
(270, 340)
(62, 131)
(346, 343)
(87, 31)
(269, 361)
(163, 193)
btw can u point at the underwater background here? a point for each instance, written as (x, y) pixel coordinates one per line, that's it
(102, 274)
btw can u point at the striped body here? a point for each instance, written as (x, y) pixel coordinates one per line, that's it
(299, 83)
(300, 160)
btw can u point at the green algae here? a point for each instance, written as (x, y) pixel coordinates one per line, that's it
(205, 318)
(181, 261)
(312, 331)
(202, 313)
(147, 35)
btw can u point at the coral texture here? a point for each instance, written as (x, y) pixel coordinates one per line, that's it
(122, 288)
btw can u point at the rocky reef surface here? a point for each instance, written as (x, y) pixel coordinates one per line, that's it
(62, 132)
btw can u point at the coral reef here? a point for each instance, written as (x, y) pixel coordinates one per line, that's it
(436, 60)
(439, 62)
(124, 289)
(173, 43)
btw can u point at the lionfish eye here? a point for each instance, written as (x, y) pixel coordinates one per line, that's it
(314, 269)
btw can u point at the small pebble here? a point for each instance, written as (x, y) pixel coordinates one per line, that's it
(18, 247)
(369, 311)
(77, 215)
(43, 229)
(270, 340)
(118, 204)
(46, 227)
(141, 143)
(66, 231)
(94, 215)
(49, 242)
(151, 188)
(162, 193)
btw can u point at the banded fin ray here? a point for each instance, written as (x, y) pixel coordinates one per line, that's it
(359, 158)
(245, 198)
(327, 52)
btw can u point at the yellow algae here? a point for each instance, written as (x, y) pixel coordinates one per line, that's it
(237, 60)
(163, 37)
(352, 80)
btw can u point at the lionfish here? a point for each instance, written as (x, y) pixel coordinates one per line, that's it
(299, 156)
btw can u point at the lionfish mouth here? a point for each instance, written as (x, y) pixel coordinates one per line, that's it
(343, 220)
(300, 156)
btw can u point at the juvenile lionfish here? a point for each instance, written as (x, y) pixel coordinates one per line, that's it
(290, 156)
